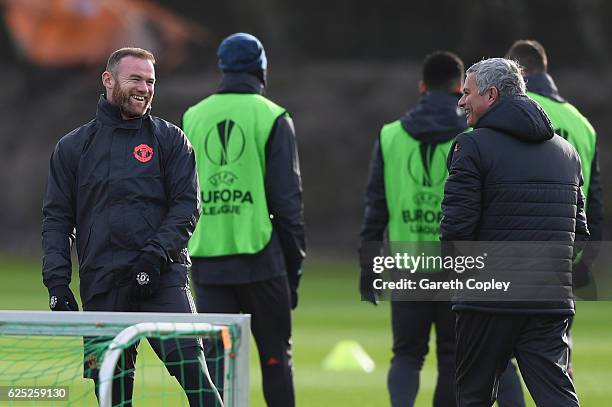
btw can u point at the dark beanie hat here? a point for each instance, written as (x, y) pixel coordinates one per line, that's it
(241, 52)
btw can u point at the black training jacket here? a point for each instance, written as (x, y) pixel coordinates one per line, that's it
(124, 187)
(513, 179)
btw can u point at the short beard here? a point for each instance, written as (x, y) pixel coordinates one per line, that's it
(122, 100)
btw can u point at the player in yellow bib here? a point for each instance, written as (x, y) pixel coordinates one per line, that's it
(248, 247)
(570, 124)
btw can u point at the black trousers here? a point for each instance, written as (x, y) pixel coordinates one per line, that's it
(411, 324)
(179, 355)
(485, 344)
(269, 304)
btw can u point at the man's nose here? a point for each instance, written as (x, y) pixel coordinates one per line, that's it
(142, 87)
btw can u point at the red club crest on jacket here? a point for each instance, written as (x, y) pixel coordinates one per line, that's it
(143, 153)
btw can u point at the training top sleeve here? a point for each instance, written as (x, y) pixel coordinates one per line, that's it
(283, 185)
(59, 217)
(376, 213)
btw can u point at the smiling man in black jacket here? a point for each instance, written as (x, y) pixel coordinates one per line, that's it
(513, 179)
(126, 182)
(421, 138)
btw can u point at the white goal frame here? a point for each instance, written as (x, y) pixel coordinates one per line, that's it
(124, 326)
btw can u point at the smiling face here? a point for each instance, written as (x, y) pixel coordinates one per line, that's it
(473, 104)
(131, 86)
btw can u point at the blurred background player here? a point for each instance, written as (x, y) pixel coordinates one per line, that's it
(424, 134)
(249, 246)
(570, 124)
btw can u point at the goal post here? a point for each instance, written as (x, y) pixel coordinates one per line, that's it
(233, 330)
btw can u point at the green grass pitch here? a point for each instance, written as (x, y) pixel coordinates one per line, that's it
(330, 311)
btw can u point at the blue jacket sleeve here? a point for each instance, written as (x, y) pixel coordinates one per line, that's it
(461, 205)
(58, 218)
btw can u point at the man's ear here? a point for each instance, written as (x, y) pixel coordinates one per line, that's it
(107, 80)
(493, 96)
(458, 86)
(422, 87)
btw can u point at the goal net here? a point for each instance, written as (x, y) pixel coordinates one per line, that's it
(48, 358)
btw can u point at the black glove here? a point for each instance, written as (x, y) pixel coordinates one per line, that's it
(294, 282)
(145, 275)
(581, 275)
(366, 287)
(62, 299)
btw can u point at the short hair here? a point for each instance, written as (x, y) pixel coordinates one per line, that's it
(501, 73)
(530, 54)
(442, 70)
(118, 55)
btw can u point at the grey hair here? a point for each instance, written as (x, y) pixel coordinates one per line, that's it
(501, 73)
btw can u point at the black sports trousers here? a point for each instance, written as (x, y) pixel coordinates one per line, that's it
(412, 322)
(485, 344)
(269, 304)
(179, 355)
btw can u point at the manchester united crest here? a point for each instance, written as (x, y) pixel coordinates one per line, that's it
(143, 153)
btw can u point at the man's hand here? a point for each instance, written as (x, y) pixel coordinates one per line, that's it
(145, 275)
(294, 282)
(581, 275)
(366, 287)
(62, 299)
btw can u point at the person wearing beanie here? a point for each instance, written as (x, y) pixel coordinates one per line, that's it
(248, 248)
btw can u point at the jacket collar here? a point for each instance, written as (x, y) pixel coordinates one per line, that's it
(436, 118)
(110, 115)
(240, 83)
(543, 84)
(518, 116)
